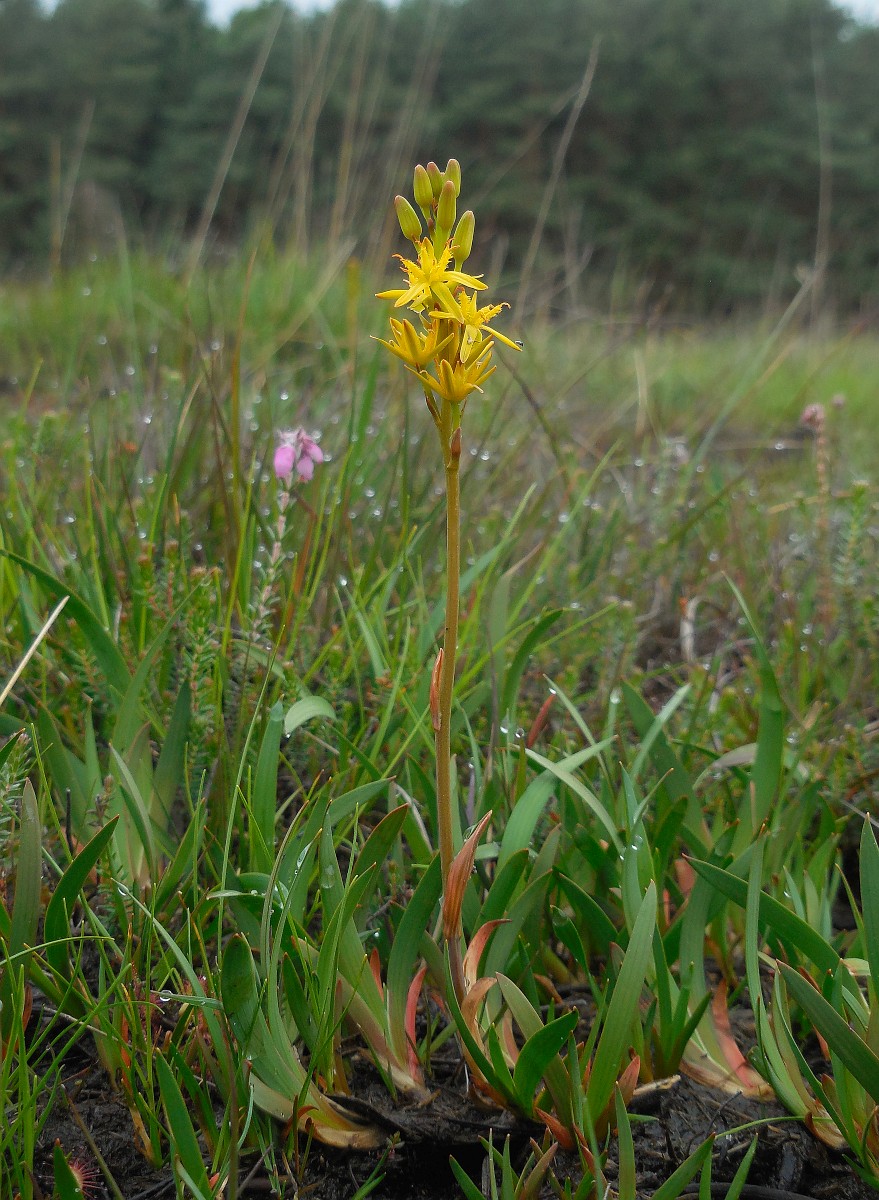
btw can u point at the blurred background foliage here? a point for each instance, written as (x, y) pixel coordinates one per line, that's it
(722, 150)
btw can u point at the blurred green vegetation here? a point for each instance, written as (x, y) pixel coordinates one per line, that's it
(724, 153)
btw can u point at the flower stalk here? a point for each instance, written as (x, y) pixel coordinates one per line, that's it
(448, 348)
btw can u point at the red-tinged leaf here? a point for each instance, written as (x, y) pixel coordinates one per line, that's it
(477, 948)
(472, 1001)
(508, 1038)
(685, 875)
(752, 1083)
(375, 967)
(628, 1080)
(459, 874)
(411, 1008)
(559, 1132)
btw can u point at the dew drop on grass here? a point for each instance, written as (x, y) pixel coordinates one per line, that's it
(163, 997)
(327, 877)
(147, 418)
(285, 395)
(129, 370)
(485, 455)
(101, 339)
(86, 291)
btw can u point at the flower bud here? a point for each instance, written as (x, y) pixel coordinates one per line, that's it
(445, 209)
(435, 176)
(462, 242)
(453, 172)
(422, 188)
(408, 218)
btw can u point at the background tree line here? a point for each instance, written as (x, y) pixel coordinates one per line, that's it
(723, 150)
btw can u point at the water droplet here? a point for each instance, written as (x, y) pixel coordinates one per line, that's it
(102, 339)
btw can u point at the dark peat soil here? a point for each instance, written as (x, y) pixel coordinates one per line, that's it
(672, 1120)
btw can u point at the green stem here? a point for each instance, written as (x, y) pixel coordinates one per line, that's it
(452, 456)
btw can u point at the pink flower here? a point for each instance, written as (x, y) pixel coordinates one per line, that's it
(296, 451)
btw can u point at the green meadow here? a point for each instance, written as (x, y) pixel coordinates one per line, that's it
(219, 883)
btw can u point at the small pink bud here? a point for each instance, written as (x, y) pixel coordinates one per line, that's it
(285, 459)
(296, 451)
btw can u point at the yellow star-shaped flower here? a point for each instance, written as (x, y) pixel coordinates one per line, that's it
(416, 349)
(457, 380)
(431, 280)
(475, 321)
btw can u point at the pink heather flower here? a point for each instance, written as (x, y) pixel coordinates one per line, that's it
(296, 451)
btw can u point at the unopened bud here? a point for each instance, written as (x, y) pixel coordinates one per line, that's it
(462, 242)
(445, 209)
(422, 189)
(453, 173)
(408, 218)
(435, 176)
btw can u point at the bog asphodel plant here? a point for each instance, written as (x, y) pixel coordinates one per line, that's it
(448, 348)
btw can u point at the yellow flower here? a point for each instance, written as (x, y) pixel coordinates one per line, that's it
(457, 380)
(416, 349)
(475, 321)
(430, 280)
